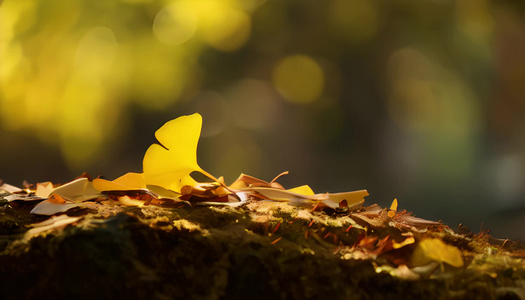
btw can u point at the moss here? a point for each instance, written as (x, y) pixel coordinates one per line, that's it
(224, 252)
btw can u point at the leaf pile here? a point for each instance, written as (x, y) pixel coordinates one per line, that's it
(166, 197)
(166, 177)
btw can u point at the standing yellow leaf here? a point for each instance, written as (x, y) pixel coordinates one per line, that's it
(170, 164)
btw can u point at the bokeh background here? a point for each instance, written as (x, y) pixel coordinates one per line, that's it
(423, 101)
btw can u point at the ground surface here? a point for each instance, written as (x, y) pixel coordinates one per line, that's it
(262, 249)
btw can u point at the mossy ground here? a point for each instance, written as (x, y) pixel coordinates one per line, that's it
(261, 250)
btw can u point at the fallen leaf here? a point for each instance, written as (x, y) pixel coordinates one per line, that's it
(56, 199)
(227, 200)
(127, 182)
(406, 220)
(9, 188)
(302, 190)
(352, 198)
(279, 195)
(329, 199)
(163, 193)
(407, 241)
(393, 209)
(404, 272)
(44, 189)
(54, 222)
(368, 242)
(245, 181)
(48, 208)
(127, 201)
(21, 197)
(432, 249)
(373, 215)
(77, 190)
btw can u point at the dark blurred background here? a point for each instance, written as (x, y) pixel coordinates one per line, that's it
(423, 101)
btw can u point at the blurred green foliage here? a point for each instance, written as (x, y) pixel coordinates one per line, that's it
(423, 101)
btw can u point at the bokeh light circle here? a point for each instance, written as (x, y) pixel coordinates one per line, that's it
(298, 78)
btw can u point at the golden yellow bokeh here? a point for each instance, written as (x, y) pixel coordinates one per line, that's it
(69, 70)
(225, 28)
(354, 20)
(176, 23)
(475, 20)
(298, 78)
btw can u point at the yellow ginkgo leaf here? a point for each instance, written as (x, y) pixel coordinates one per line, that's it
(302, 190)
(408, 241)
(127, 182)
(352, 198)
(170, 164)
(436, 250)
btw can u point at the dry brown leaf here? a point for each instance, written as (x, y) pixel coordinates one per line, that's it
(54, 222)
(21, 197)
(9, 188)
(48, 208)
(77, 190)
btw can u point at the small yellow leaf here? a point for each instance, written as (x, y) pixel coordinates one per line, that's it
(302, 190)
(170, 164)
(127, 182)
(393, 209)
(408, 241)
(436, 250)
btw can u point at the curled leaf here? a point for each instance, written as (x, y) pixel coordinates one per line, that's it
(245, 181)
(280, 195)
(78, 190)
(329, 199)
